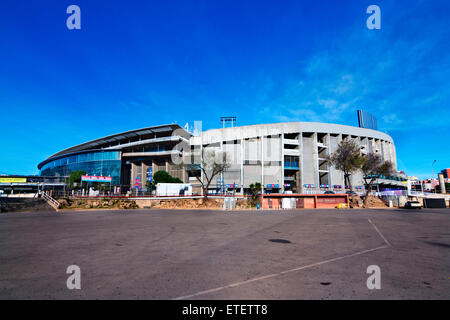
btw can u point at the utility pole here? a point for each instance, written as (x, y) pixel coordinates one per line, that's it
(432, 175)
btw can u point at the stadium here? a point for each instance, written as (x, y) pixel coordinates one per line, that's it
(280, 156)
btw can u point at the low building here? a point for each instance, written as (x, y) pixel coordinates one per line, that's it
(20, 184)
(446, 173)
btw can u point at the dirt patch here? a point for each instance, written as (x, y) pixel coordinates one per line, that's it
(105, 203)
(375, 202)
(187, 204)
(211, 203)
(355, 202)
(372, 202)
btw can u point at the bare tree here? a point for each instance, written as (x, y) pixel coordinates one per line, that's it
(212, 163)
(373, 167)
(347, 158)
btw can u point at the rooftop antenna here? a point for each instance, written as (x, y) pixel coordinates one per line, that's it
(228, 120)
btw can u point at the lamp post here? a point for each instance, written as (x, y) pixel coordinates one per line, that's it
(432, 175)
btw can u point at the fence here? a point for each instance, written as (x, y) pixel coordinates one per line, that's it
(229, 203)
(55, 204)
(336, 191)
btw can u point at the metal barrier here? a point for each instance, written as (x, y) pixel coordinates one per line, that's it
(55, 204)
(229, 203)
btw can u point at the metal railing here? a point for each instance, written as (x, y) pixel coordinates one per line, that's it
(55, 204)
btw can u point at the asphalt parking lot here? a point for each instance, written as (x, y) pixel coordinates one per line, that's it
(188, 254)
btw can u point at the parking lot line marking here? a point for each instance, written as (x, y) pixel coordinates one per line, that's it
(236, 284)
(381, 235)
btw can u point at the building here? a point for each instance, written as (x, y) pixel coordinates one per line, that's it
(19, 184)
(446, 173)
(281, 156)
(124, 156)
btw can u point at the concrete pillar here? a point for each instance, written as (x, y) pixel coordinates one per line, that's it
(153, 166)
(221, 174)
(242, 166)
(184, 173)
(442, 182)
(328, 139)
(301, 164)
(315, 161)
(282, 160)
(262, 162)
(341, 174)
(133, 173)
(201, 164)
(142, 175)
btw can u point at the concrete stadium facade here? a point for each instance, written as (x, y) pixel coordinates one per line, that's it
(280, 156)
(291, 155)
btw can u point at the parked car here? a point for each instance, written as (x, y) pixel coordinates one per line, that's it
(413, 205)
(351, 192)
(329, 192)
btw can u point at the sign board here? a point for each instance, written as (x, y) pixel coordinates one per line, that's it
(150, 174)
(96, 179)
(13, 180)
(136, 183)
(173, 189)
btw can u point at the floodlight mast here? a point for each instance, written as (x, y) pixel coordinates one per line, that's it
(225, 120)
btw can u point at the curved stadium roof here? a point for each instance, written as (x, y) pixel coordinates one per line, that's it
(112, 139)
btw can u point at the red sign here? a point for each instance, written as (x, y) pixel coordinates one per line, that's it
(96, 178)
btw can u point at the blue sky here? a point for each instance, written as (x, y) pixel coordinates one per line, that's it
(140, 63)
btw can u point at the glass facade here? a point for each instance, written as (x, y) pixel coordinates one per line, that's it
(96, 163)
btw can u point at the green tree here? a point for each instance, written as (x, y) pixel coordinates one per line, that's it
(161, 177)
(164, 177)
(373, 167)
(75, 177)
(347, 158)
(150, 185)
(255, 189)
